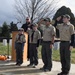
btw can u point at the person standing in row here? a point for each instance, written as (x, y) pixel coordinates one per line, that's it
(66, 31)
(34, 37)
(27, 26)
(49, 33)
(19, 46)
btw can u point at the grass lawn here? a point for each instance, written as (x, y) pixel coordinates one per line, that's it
(55, 54)
(4, 49)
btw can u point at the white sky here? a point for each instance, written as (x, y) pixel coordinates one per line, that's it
(70, 4)
(7, 9)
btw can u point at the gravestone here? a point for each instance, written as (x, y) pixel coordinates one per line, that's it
(56, 45)
(4, 42)
(10, 42)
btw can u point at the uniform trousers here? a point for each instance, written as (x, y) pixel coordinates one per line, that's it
(65, 55)
(33, 53)
(46, 55)
(19, 53)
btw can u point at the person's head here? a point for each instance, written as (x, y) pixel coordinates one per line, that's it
(47, 21)
(28, 20)
(35, 26)
(21, 31)
(66, 18)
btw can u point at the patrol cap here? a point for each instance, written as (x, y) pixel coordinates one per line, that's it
(35, 25)
(47, 19)
(66, 16)
(21, 29)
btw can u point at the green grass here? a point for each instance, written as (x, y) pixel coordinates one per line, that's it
(73, 55)
(55, 53)
(4, 50)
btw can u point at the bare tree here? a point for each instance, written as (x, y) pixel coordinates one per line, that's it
(35, 9)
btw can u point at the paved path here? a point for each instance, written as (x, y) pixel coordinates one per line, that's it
(9, 68)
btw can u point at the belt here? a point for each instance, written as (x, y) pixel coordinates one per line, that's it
(64, 41)
(46, 41)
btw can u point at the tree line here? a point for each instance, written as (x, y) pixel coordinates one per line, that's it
(6, 29)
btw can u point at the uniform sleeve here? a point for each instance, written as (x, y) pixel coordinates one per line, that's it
(39, 39)
(72, 35)
(24, 40)
(39, 35)
(42, 27)
(54, 31)
(72, 29)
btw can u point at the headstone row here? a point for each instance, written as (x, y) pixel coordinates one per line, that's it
(5, 42)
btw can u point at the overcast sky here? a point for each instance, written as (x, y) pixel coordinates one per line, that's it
(7, 9)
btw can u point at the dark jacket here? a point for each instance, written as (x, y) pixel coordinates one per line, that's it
(25, 26)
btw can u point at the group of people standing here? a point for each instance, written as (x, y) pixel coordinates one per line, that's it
(47, 33)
